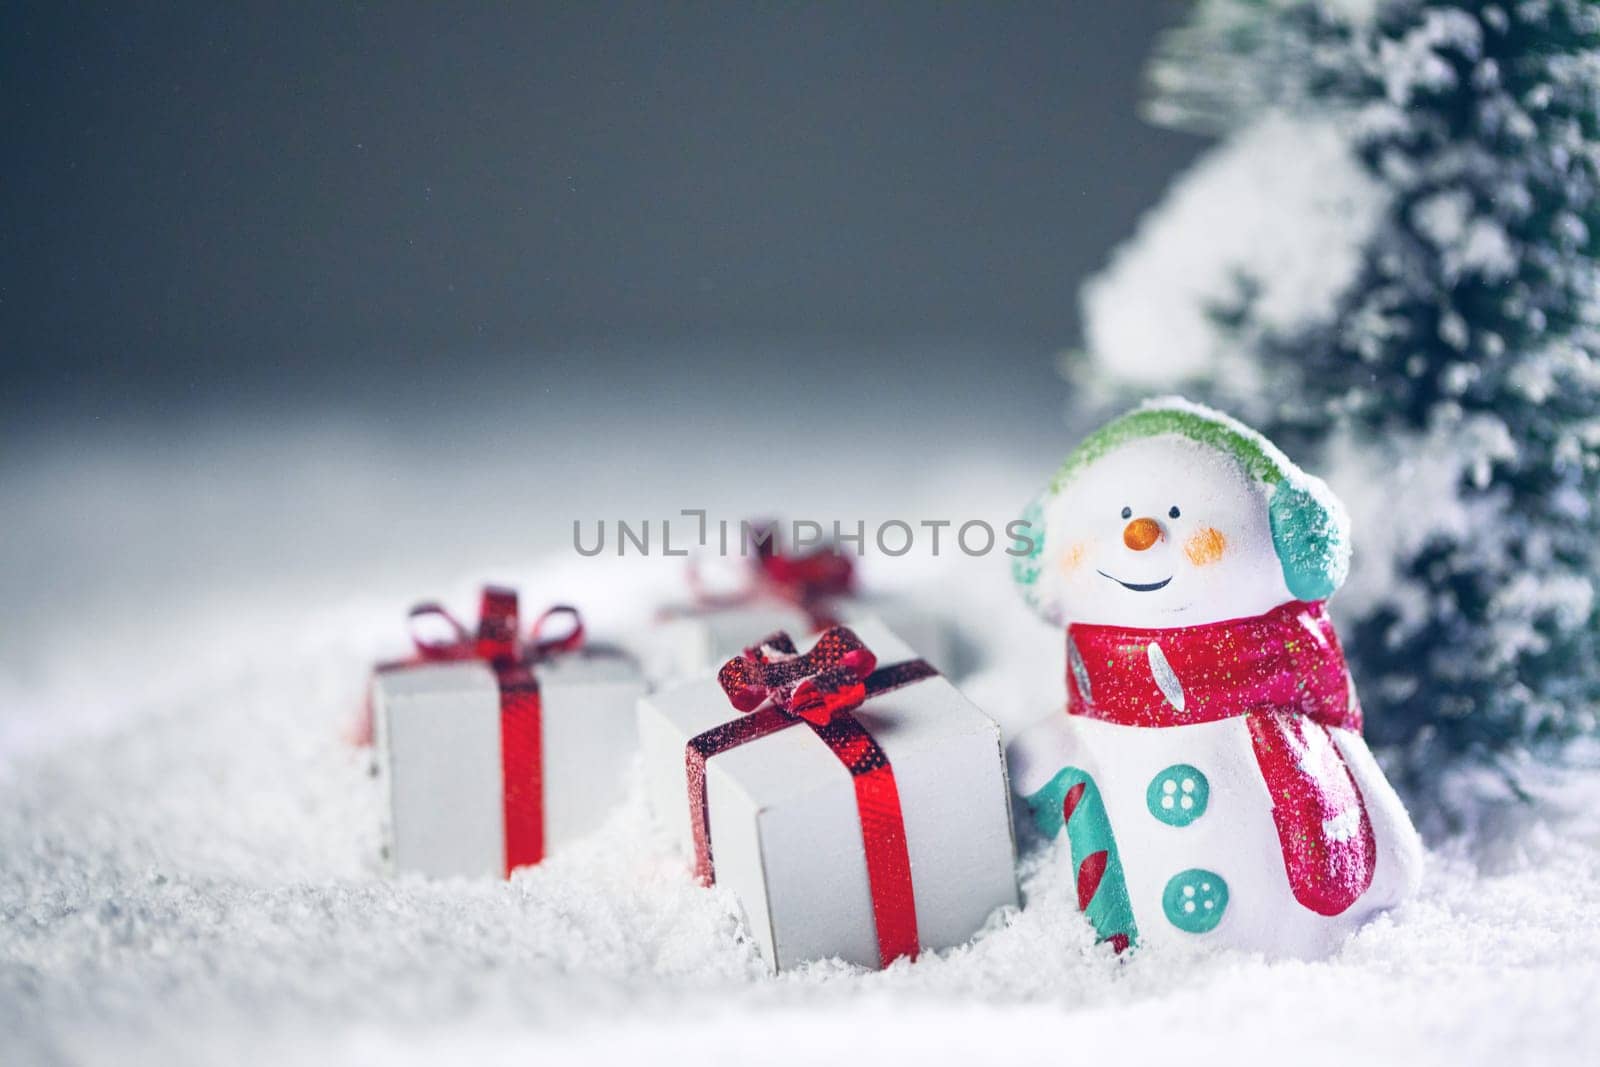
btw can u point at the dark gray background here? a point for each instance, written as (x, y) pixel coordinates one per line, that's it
(218, 206)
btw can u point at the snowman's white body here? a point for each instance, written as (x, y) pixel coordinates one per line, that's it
(1235, 837)
(1167, 530)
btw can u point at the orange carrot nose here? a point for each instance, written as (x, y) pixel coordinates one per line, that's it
(1140, 534)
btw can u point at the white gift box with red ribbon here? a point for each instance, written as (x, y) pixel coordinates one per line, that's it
(771, 592)
(494, 751)
(690, 642)
(693, 640)
(883, 832)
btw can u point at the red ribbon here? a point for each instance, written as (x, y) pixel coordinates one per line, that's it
(512, 658)
(777, 688)
(808, 582)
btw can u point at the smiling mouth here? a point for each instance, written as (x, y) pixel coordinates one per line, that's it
(1137, 587)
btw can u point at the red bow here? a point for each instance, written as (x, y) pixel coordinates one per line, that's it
(497, 640)
(804, 579)
(807, 581)
(828, 680)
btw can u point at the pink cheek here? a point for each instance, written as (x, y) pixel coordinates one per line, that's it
(1206, 546)
(1073, 558)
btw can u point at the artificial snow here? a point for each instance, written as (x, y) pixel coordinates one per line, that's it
(188, 847)
(1422, 472)
(1414, 64)
(1274, 220)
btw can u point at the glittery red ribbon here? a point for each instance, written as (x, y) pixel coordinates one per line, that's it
(1285, 673)
(778, 688)
(809, 582)
(499, 645)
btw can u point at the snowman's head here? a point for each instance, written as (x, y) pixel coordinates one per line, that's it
(1175, 515)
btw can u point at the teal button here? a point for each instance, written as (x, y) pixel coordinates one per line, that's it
(1178, 795)
(1195, 900)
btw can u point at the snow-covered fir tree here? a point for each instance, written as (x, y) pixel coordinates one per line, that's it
(1390, 262)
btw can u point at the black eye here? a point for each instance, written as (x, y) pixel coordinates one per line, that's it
(1127, 513)
(1173, 512)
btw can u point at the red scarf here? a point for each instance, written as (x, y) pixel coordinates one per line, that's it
(1285, 673)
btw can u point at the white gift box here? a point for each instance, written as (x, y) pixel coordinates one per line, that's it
(786, 830)
(690, 642)
(440, 748)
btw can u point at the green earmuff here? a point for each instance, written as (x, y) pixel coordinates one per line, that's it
(1027, 569)
(1311, 539)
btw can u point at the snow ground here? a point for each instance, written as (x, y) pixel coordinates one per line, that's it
(188, 850)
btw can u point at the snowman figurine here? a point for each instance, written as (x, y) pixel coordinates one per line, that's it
(1209, 770)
